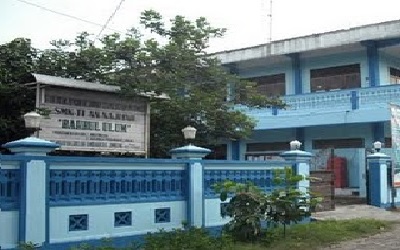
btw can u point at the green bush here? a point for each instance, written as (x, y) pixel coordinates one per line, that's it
(177, 239)
(188, 239)
(250, 206)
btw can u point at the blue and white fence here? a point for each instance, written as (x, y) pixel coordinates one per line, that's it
(58, 202)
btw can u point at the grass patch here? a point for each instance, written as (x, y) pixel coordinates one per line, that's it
(320, 234)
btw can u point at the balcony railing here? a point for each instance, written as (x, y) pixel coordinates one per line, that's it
(325, 102)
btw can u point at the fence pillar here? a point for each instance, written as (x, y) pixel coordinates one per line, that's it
(32, 212)
(301, 164)
(195, 194)
(378, 179)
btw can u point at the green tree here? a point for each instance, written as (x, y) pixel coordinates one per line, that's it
(16, 62)
(174, 62)
(250, 206)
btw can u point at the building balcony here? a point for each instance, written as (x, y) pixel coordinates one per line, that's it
(326, 108)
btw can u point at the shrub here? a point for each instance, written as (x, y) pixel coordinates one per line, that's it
(250, 206)
(186, 239)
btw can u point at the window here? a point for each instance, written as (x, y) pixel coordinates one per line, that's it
(78, 222)
(80, 112)
(107, 126)
(65, 124)
(162, 215)
(338, 143)
(394, 76)
(72, 124)
(78, 125)
(335, 78)
(218, 152)
(122, 219)
(86, 125)
(118, 127)
(271, 85)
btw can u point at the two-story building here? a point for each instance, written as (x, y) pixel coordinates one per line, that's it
(337, 85)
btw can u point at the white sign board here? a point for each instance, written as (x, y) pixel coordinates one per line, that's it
(82, 120)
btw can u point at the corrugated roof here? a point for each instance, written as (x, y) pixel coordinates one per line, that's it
(73, 83)
(80, 84)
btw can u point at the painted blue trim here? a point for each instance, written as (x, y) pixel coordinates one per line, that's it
(192, 198)
(375, 183)
(105, 202)
(22, 209)
(261, 178)
(373, 63)
(296, 73)
(235, 150)
(190, 149)
(71, 159)
(247, 164)
(378, 130)
(188, 195)
(355, 100)
(47, 212)
(203, 222)
(296, 153)
(378, 157)
(31, 142)
(115, 186)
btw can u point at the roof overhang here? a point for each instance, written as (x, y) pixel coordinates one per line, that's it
(323, 41)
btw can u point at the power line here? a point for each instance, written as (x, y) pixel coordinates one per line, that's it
(109, 19)
(66, 15)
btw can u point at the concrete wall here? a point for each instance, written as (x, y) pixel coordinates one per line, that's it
(101, 220)
(95, 188)
(9, 229)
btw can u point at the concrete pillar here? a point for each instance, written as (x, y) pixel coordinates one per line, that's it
(373, 63)
(300, 164)
(235, 150)
(195, 199)
(296, 73)
(33, 194)
(379, 191)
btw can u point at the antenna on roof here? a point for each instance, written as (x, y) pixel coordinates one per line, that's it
(270, 22)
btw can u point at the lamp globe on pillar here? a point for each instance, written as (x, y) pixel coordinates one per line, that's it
(32, 120)
(377, 146)
(189, 133)
(295, 145)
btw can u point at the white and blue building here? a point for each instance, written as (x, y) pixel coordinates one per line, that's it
(337, 86)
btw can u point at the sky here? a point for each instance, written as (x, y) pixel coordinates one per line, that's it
(247, 22)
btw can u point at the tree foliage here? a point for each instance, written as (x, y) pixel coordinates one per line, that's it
(16, 61)
(173, 62)
(250, 206)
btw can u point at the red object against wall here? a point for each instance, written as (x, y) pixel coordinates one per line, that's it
(339, 167)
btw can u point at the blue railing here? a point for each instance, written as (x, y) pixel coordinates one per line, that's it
(261, 178)
(348, 99)
(70, 187)
(9, 189)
